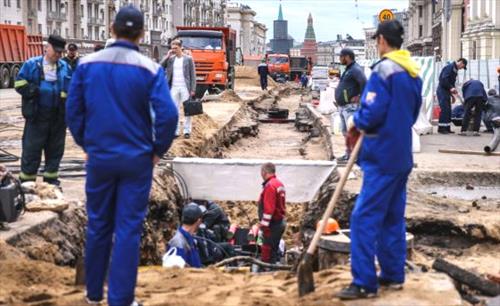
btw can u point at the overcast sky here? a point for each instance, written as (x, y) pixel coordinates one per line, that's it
(331, 17)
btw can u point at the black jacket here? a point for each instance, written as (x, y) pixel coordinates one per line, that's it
(448, 76)
(352, 82)
(263, 70)
(474, 89)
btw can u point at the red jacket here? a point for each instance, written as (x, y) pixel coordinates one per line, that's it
(272, 202)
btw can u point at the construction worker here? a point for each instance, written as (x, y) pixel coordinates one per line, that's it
(183, 239)
(474, 99)
(72, 57)
(119, 111)
(272, 212)
(43, 84)
(445, 90)
(215, 220)
(263, 71)
(181, 75)
(351, 85)
(390, 106)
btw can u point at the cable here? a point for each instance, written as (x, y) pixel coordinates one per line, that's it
(7, 157)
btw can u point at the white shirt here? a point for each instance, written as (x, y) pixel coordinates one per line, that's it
(178, 73)
(49, 71)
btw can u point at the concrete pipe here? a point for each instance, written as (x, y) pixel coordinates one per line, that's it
(494, 142)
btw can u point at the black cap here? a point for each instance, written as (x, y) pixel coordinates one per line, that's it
(348, 52)
(390, 29)
(129, 17)
(191, 213)
(72, 47)
(57, 42)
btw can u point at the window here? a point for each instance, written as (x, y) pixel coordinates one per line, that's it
(82, 10)
(39, 4)
(49, 6)
(420, 31)
(82, 32)
(89, 32)
(420, 11)
(66, 32)
(18, 2)
(96, 32)
(89, 11)
(39, 28)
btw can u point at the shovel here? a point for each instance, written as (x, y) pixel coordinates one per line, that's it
(305, 276)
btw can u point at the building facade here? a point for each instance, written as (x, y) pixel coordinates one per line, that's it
(92, 19)
(324, 54)
(356, 45)
(281, 42)
(481, 37)
(310, 46)
(371, 52)
(251, 35)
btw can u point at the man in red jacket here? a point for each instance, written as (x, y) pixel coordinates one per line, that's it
(272, 212)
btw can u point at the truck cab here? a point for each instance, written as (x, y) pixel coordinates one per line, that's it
(279, 66)
(213, 52)
(320, 78)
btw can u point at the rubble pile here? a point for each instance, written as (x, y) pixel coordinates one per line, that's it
(247, 76)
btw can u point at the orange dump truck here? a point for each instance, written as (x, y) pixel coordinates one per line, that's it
(15, 48)
(214, 53)
(279, 66)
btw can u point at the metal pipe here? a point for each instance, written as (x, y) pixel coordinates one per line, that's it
(494, 142)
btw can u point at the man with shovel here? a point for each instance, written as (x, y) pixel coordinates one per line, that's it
(389, 107)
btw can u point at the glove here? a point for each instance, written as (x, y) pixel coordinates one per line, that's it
(352, 138)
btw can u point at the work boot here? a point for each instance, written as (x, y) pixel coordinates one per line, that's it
(91, 302)
(354, 292)
(476, 134)
(462, 133)
(52, 181)
(389, 284)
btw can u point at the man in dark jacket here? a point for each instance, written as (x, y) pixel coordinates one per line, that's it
(445, 90)
(474, 99)
(351, 85)
(263, 71)
(390, 106)
(72, 58)
(43, 84)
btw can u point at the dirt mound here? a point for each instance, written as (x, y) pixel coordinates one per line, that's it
(229, 96)
(203, 126)
(248, 76)
(245, 215)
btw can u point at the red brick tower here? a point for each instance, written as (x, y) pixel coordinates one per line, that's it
(310, 46)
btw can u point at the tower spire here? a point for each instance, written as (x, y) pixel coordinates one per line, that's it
(280, 14)
(310, 35)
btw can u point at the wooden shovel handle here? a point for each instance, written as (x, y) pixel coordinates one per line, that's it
(336, 195)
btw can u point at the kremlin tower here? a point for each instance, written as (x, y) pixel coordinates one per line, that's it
(310, 46)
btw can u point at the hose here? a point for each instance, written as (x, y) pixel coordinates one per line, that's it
(494, 142)
(7, 157)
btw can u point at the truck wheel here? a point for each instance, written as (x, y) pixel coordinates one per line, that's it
(13, 75)
(4, 77)
(231, 76)
(200, 91)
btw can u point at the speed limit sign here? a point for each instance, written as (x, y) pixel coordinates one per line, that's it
(385, 15)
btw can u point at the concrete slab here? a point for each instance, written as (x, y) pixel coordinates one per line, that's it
(26, 222)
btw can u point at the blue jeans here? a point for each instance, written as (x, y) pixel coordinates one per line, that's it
(117, 201)
(378, 228)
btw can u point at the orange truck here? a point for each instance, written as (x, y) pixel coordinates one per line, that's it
(15, 48)
(279, 66)
(214, 53)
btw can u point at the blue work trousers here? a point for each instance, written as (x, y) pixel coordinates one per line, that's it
(378, 228)
(117, 201)
(444, 99)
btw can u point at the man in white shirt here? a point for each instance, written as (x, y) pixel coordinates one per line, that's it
(181, 76)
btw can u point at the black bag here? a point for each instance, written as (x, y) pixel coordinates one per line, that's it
(12, 201)
(192, 107)
(29, 102)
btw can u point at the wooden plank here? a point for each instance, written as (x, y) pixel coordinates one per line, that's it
(465, 277)
(468, 152)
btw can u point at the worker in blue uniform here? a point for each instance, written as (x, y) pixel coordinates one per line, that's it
(446, 89)
(120, 112)
(390, 106)
(43, 84)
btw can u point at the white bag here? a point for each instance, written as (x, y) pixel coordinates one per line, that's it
(171, 259)
(415, 143)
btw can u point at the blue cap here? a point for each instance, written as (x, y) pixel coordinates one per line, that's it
(129, 17)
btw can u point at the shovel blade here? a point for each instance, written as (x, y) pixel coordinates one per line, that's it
(305, 276)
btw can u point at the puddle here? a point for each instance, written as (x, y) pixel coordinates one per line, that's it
(462, 193)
